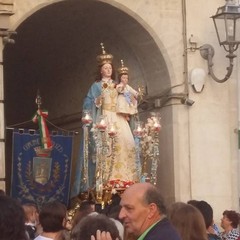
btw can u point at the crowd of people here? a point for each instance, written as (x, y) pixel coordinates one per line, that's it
(139, 213)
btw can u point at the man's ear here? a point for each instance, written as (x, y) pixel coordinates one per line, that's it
(152, 210)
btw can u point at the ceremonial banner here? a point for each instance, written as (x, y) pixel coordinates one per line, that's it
(40, 175)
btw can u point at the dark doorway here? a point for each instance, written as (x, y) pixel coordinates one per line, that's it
(55, 52)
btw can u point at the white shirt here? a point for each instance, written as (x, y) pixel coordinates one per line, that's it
(39, 237)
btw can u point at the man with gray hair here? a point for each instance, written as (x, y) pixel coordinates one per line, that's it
(144, 214)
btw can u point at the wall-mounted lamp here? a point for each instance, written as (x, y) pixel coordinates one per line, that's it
(197, 78)
(227, 25)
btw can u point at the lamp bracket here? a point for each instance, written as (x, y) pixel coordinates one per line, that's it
(206, 50)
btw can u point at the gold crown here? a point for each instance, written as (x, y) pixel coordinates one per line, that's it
(122, 69)
(104, 57)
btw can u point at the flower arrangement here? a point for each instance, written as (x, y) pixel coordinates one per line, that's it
(117, 184)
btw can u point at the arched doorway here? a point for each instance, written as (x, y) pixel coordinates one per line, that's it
(55, 52)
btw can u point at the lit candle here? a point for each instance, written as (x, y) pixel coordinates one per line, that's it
(102, 125)
(138, 132)
(112, 131)
(156, 127)
(86, 119)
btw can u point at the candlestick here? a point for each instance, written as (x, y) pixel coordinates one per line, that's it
(86, 118)
(138, 131)
(112, 132)
(102, 123)
(156, 127)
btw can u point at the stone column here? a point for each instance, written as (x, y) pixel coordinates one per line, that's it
(6, 10)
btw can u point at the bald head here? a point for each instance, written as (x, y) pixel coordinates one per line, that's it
(138, 189)
(138, 186)
(147, 193)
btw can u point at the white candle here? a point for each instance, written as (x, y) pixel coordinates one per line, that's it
(87, 119)
(156, 127)
(112, 131)
(102, 125)
(138, 132)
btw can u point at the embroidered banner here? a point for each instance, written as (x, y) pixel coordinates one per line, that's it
(40, 177)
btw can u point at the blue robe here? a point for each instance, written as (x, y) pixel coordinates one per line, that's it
(88, 104)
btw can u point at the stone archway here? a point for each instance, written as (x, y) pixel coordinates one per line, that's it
(55, 52)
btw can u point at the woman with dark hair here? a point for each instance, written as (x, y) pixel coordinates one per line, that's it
(101, 100)
(207, 212)
(188, 221)
(87, 228)
(12, 219)
(229, 223)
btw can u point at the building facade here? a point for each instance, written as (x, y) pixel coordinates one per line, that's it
(55, 49)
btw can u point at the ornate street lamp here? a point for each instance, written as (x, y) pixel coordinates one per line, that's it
(227, 25)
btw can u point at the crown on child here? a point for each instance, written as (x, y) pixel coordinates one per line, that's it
(104, 57)
(122, 69)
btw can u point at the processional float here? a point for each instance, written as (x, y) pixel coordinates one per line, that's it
(146, 137)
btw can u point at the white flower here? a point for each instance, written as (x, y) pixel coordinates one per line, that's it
(114, 191)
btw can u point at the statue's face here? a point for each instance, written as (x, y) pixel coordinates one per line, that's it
(124, 79)
(106, 70)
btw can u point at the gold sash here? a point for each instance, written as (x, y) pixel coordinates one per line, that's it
(109, 107)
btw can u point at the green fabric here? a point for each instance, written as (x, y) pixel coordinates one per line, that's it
(146, 232)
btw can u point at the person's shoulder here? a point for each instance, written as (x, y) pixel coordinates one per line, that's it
(40, 237)
(213, 237)
(162, 230)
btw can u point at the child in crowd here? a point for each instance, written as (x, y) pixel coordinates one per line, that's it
(31, 219)
(52, 218)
